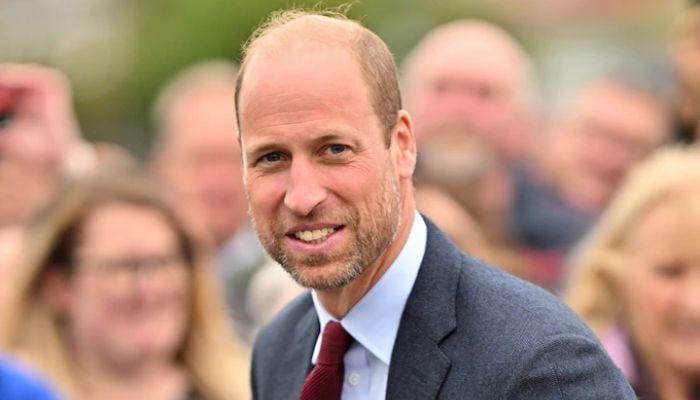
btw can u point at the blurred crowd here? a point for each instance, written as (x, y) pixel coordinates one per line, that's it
(122, 278)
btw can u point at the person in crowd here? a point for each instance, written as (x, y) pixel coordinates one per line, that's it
(637, 278)
(197, 157)
(328, 160)
(39, 138)
(453, 219)
(472, 75)
(459, 163)
(114, 300)
(685, 54)
(611, 123)
(40, 144)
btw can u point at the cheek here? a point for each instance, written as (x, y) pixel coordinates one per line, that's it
(354, 185)
(91, 312)
(264, 194)
(170, 311)
(649, 301)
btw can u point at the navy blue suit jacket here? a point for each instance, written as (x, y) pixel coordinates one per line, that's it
(469, 331)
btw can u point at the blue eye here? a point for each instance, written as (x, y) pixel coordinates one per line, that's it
(272, 157)
(337, 148)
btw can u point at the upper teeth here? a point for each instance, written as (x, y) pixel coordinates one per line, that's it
(316, 234)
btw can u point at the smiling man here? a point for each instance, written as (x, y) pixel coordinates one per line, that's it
(328, 159)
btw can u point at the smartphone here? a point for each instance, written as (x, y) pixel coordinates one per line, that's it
(7, 107)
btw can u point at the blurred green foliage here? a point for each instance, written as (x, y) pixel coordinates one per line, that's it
(174, 33)
(114, 87)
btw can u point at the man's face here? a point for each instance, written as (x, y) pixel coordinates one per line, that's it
(202, 161)
(323, 187)
(467, 83)
(612, 129)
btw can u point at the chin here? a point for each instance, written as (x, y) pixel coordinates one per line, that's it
(154, 341)
(320, 277)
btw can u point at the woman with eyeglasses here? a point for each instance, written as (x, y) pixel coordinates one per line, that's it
(115, 301)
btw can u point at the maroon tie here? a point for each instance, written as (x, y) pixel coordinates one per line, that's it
(325, 382)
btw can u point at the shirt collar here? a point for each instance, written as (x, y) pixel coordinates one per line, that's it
(374, 320)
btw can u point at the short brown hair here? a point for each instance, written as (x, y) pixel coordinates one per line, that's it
(373, 55)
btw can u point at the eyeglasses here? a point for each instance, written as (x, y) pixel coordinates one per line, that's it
(122, 270)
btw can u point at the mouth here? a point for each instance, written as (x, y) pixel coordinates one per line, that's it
(314, 236)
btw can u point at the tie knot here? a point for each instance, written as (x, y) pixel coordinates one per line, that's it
(336, 341)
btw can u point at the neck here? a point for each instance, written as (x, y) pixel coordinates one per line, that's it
(338, 302)
(675, 388)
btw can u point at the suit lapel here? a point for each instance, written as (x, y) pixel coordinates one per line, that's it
(297, 358)
(418, 365)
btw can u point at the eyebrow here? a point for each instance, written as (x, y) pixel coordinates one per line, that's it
(333, 135)
(328, 136)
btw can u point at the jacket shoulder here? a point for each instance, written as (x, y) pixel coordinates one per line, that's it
(282, 350)
(509, 338)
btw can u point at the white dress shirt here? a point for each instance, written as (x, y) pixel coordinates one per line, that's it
(374, 321)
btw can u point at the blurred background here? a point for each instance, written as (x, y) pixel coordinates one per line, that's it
(523, 158)
(117, 53)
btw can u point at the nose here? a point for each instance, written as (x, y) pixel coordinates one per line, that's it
(144, 280)
(305, 189)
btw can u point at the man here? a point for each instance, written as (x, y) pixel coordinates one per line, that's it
(328, 157)
(472, 75)
(198, 158)
(611, 123)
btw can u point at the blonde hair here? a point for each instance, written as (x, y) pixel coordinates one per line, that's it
(599, 266)
(35, 333)
(373, 56)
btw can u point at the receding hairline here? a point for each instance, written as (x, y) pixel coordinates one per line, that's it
(475, 31)
(472, 31)
(371, 54)
(332, 28)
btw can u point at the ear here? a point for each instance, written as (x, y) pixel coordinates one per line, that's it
(403, 145)
(56, 291)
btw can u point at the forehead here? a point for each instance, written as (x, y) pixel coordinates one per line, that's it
(672, 224)
(123, 213)
(301, 83)
(203, 115)
(122, 224)
(462, 53)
